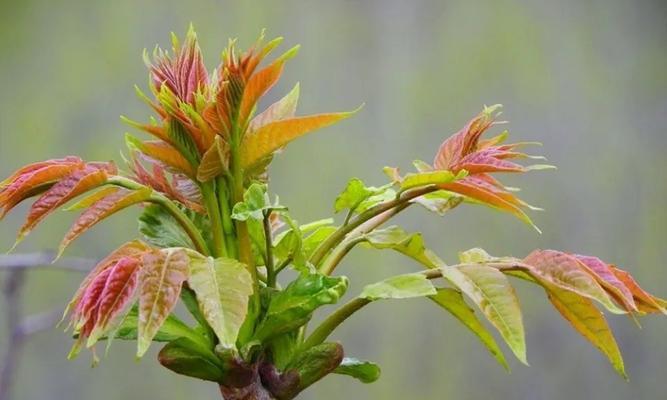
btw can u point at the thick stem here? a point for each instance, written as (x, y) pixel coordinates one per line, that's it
(213, 210)
(339, 235)
(227, 222)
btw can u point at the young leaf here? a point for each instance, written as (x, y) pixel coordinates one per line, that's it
(606, 277)
(161, 278)
(364, 371)
(399, 287)
(215, 161)
(258, 85)
(439, 202)
(223, 287)
(316, 363)
(189, 358)
(395, 238)
(293, 307)
(255, 202)
(452, 301)
(411, 181)
(645, 301)
(78, 182)
(117, 294)
(114, 202)
(271, 137)
(589, 322)
(489, 289)
(355, 193)
(282, 109)
(161, 229)
(566, 272)
(172, 328)
(162, 152)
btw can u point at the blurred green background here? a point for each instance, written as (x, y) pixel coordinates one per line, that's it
(586, 78)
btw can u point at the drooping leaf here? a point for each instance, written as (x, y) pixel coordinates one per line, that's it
(71, 186)
(101, 209)
(293, 307)
(189, 358)
(607, 279)
(134, 249)
(223, 287)
(439, 201)
(645, 301)
(452, 301)
(566, 272)
(282, 109)
(215, 161)
(490, 290)
(34, 179)
(395, 238)
(118, 292)
(364, 371)
(589, 322)
(399, 287)
(273, 136)
(161, 278)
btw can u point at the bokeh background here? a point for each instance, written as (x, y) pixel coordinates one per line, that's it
(586, 78)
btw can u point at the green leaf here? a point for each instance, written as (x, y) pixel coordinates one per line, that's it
(399, 287)
(172, 329)
(161, 229)
(316, 363)
(364, 371)
(223, 287)
(411, 181)
(183, 142)
(490, 290)
(294, 306)
(439, 202)
(452, 301)
(188, 358)
(255, 202)
(395, 238)
(355, 193)
(313, 240)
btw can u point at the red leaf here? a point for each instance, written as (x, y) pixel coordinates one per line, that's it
(603, 272)
(646, 302)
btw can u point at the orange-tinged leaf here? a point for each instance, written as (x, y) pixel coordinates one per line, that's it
(281, 109)
(161, 279)
(162, 152)
(117, 294)
(257, 86)
(214, 162)
(589, 322)
(645, 301)
(116, 201)
(92, 198)
(25, 184)
(564, 271)
(78, 182)
(38, 165)
(273, 136)
(487, 197)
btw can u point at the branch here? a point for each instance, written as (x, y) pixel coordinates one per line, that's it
(45, 260)
(339, 235)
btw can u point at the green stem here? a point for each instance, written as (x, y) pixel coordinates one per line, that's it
(213, 210)
(227, 222)
(338, 254)
(186, 223)
(339, 235)
(270, 268)
(322, 332)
